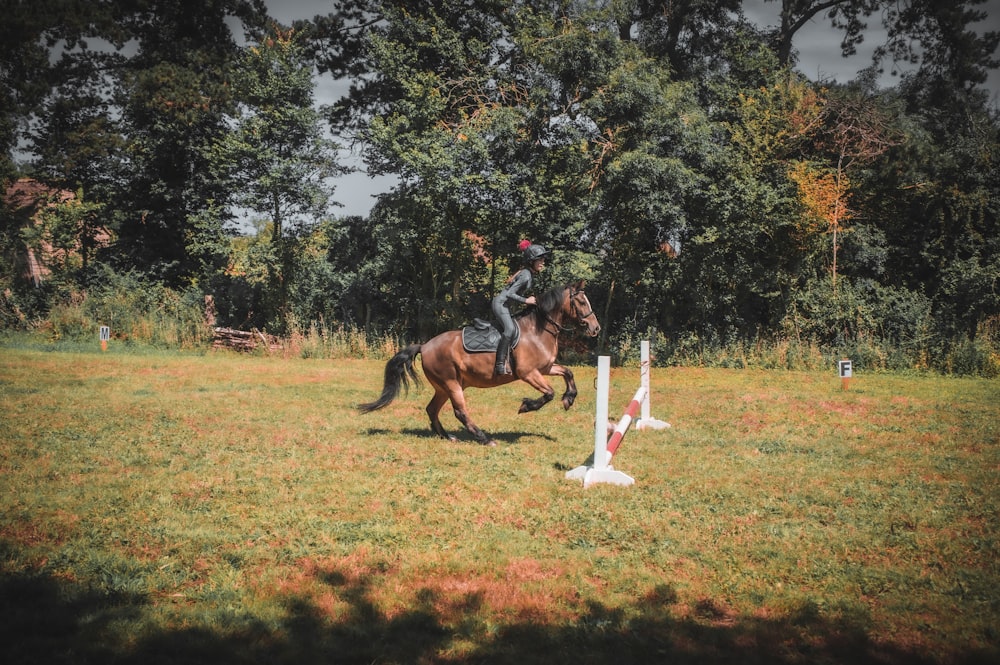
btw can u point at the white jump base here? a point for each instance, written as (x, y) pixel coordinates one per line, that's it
(601, 471)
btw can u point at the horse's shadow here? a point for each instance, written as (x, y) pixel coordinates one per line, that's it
(510, 437)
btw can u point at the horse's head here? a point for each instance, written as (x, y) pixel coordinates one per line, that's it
(580, 309)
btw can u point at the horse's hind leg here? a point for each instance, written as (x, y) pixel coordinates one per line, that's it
(458, 404)
(434, 412)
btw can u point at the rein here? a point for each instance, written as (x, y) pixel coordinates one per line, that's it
(559, 326)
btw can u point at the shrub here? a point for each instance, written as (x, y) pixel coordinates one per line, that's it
(135, 309)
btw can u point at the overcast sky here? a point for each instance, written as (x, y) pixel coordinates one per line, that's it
(817, 44)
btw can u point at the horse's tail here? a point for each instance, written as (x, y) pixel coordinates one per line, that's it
(398, 374)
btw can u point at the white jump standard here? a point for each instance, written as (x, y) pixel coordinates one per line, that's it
(604, 448)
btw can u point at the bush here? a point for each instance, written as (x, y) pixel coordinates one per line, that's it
(135, 309)
(977, 357)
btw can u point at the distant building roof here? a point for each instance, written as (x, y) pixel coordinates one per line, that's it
(27, 196)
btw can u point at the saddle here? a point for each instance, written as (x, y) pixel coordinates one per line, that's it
(483, 337)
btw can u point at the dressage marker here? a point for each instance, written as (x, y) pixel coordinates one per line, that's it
(604, 448)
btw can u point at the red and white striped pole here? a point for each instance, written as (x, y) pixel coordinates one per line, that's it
(601, 471)
(626, 420)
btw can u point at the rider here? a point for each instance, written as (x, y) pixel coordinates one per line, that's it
(534, 262)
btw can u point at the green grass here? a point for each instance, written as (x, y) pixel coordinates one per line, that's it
(232, 509)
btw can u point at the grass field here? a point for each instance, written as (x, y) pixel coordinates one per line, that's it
(233, 509)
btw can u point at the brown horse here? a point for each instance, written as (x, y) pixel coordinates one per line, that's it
(451, 369)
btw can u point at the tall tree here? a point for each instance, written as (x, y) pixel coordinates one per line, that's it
(31, 33)
(852, 132)
(337, 43)
(175, 96)
(846, 15)
(687, 34)
(129, 124)
(938, 36)
(277, 159)
(936, 197)
(281, 162)
(741, 253)
(446, 107)
(66, 232)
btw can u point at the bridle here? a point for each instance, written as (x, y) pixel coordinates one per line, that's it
(576, 315)
(576, 306)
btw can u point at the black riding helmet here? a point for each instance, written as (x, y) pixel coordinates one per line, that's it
(534, 252)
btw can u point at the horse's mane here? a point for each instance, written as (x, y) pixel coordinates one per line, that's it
(546, 303)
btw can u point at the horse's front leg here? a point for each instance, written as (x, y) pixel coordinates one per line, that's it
(568, 397)
(538, 382)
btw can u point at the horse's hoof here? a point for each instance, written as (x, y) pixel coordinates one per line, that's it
(490, 444)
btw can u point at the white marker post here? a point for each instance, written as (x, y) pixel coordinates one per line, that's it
(105, 336)
(602, 471)
(645, 420)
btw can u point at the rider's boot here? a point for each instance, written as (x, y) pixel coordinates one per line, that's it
(503, 351)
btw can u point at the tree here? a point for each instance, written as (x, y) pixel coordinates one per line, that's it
(846, 15)
(78, 143)
(337, 43)
(936, 35)
(685, 35)
(741, 255)
(452, 130)
(29, 34)
(824, 193)
(174, 97)
(276, 158)
(67, 232)
(129, 125)
(280, 162)
(853, 131)
(935, 197)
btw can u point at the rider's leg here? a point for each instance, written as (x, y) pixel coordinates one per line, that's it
(507, 327)
(503, 350)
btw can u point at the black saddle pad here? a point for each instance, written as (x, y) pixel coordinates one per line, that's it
(484, 337)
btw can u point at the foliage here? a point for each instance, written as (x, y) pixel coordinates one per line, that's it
(174, 99)
(135, 310)
(276, 158)
(713, 197)
(68, 232)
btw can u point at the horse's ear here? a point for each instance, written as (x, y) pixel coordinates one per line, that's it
(579, 286)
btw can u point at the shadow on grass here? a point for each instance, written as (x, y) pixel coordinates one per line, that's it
(463, 436)
(47, 620)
